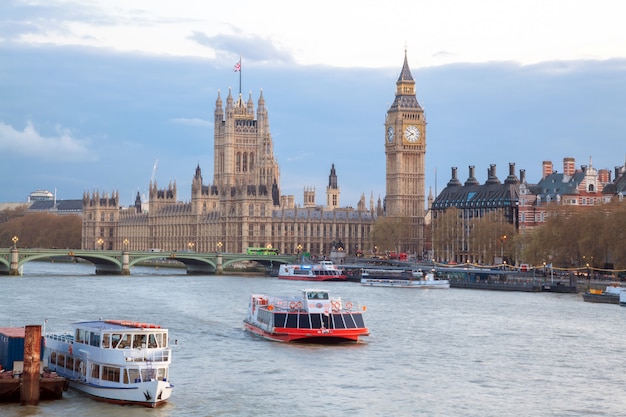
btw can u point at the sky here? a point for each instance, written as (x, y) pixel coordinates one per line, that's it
(106, 95)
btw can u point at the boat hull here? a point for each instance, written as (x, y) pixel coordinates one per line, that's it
(313, 278)
(601, 298)
(148, 394)
(406, 283)
(322, 336)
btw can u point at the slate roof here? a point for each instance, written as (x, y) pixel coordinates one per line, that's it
(472, 195)
(557, 184)
(62, 206)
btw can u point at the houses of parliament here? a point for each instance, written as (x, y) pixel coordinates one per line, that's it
(243, 207)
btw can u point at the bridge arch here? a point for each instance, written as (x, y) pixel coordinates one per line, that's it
(118, 262)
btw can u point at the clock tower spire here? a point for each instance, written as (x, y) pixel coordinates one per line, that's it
(405, 150)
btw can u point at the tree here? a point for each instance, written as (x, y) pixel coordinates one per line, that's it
(388, 232)
(491, 236)
(447, 235)
(42, 230)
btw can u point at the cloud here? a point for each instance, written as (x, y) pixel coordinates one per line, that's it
(19, 18)
(32, 144)
(194, 121)
(253, 48)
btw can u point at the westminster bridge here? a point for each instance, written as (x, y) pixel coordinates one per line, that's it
(111, 262)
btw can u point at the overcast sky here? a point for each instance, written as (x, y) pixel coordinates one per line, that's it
(94, 93)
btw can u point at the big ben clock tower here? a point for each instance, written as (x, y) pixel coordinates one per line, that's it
(405, 150)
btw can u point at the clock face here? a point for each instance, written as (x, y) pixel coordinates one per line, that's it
(412, 134)
(390, 133)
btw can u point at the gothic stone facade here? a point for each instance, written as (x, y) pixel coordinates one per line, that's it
(405, 150)
(241, 208)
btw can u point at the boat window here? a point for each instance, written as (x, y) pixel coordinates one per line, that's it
(115, 339)
(61, 360)
(305, 322)
(147, 374)
(80, 336)
(133, 376)
(338, 322)
(53, 358)
(69, 363)
(161, 339)
(279, 318)
(152, 341)
(358, 320)
(79, 367)
(139, 341)
(161, 374)
(292, 320)
(317, 295)
(124, 342)
(110, 373)
(95, 370)
(106, 340)
(94, 339)
(316, 321)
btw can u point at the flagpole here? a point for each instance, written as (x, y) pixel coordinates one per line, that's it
(239, 74)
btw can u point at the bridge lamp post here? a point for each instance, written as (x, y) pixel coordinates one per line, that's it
(299, 250)
(14, 239)
(126, 242)
(190, 245)
(219, 246)
(101, 243)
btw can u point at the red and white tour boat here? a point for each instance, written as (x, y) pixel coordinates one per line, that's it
(118, 361)
(321, 271)
(311, 317)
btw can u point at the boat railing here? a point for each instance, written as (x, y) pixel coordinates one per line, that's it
(290, 304)
(61, 337)
(147, 355)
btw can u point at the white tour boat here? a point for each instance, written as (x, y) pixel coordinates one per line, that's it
(311, 317)
(402, 278)
(321, 271)
(117, 361)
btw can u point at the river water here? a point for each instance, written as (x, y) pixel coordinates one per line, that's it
(454, 352)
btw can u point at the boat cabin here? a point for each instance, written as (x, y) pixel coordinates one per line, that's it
(318, 301)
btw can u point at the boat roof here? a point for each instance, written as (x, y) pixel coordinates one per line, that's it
(116, 325)
(13, 331)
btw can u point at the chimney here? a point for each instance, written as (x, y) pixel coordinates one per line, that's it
(569, 166)
(511, 178)
(547, 169)
(604, 176)
(472, 179)
(491, 175)
(454, 180)
(522, 176)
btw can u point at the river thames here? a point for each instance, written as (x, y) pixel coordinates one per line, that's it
(453, 352)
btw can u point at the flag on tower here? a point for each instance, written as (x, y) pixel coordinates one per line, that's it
(237, 66)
